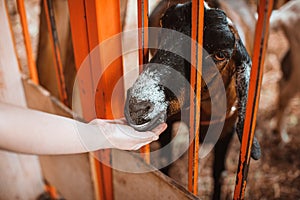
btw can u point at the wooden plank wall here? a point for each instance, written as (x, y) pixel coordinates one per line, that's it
(45, 61)
(21, 176)
(69, 174)
(151, 185)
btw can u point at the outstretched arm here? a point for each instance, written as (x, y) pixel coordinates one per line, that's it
(34, 132)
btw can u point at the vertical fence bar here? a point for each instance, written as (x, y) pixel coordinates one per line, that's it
(30, 59)
(84, 40)
(143, 53)
(92, 22)
(143, 22)
(261, 36)
(195, 98)
(108, 11)
(82, 45)
(49, 11)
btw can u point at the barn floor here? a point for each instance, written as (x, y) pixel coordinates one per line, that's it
(275, 176)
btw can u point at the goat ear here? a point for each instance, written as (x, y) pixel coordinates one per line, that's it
(243, 65)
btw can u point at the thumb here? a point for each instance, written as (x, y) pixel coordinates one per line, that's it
(159, 129)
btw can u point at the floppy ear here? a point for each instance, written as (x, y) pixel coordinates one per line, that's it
(243, 65)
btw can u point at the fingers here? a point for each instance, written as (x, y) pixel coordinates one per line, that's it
(122, 136)
(159, 129)
(116, 121)
(122, 121)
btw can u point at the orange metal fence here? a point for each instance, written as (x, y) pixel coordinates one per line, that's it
(91, 24)
(260, 43)
(195, 98)
(143, 52)
(31, 62)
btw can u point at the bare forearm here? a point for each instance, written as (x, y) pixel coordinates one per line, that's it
(30, 131)
(34, 132)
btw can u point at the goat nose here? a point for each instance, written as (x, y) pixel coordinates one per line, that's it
(141, 106)
(138, 110)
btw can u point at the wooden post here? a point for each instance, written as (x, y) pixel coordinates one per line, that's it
(92, 22)
(261, 37)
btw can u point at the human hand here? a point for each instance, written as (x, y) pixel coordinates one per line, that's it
(122, 136)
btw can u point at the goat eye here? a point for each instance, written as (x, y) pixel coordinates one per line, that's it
(220, 56)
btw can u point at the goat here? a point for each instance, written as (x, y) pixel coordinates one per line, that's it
(287, 19)
(149, 101)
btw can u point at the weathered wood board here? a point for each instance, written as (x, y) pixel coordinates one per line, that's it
(151, 185)
(69, 174)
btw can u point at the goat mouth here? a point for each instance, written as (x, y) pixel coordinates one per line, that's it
(148, 125)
